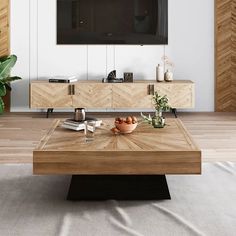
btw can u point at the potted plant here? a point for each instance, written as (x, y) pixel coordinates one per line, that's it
(161, 103)
(6, 64)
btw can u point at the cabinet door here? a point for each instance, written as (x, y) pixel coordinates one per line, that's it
(50, 95)
(180, 95)
(133, 95)
(4, 27)
(92, 95)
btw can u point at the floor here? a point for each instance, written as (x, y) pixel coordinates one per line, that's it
(35, 205)
(215, 133)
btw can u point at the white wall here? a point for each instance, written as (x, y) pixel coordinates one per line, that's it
(191, 48)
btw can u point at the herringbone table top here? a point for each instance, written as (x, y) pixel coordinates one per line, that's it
(146, 151)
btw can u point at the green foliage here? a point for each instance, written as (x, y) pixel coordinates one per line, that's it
(160, 102)
(2, 89)
(6, 64)
(1, 105)
(146, 118)
(10, 79)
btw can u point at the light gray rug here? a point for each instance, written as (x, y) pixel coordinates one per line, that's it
(36, 205)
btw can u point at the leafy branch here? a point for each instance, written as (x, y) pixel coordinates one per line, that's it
(161, 103)
(6, 65)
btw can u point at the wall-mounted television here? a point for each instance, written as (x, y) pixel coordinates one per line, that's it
(140, 22)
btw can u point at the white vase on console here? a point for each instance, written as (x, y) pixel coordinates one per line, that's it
(159, 73)
(168, 76)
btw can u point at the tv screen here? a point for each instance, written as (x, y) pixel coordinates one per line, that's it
(112, 22)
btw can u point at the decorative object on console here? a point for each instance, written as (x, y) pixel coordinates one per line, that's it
(168, 76)
(125, 126)
(160, 104)
(111, 78)
(159, 73)
(6, 64)
(63, 79)
(168, 68)
(128, 77)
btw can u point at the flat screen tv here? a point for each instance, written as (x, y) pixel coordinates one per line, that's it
(140, 22)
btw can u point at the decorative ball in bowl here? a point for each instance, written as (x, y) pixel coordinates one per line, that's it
(125, 126)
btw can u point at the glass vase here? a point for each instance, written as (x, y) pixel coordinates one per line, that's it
(158, 121)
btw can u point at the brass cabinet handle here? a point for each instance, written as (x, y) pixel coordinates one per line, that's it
(70, 89)
(148, 89)
(151, 89)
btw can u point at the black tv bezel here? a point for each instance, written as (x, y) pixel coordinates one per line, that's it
(164, 42)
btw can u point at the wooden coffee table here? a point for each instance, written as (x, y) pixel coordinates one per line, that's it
(121, 167)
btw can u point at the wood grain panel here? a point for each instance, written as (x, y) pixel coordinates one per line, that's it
(50, 95)
(93, 95)
(5, 41)
(117, 164)
(131, 96)
(181, 95)
(4, 28)
(233, 68)
(145, 151)
(225, 55)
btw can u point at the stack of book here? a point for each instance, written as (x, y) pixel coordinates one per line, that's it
(63, 79)
(77, 126)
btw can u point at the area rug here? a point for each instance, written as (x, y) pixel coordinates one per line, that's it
(36, 205)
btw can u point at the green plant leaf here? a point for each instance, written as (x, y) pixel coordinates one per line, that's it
(1, 106)
(10, 79)
(161, 102)
(2, 59)
(2, 90)
(8, 86)
(146, 118)
(6, 66)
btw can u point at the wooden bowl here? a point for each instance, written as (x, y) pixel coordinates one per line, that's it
(125, 128)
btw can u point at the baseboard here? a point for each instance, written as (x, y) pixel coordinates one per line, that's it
(18, 109)
(25, 109)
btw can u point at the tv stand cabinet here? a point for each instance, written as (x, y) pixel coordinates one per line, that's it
(98, 95)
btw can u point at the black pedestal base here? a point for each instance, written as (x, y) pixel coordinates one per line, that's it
(118, 187)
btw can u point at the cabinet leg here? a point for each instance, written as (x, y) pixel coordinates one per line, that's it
(174, 111)
(50, 110)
